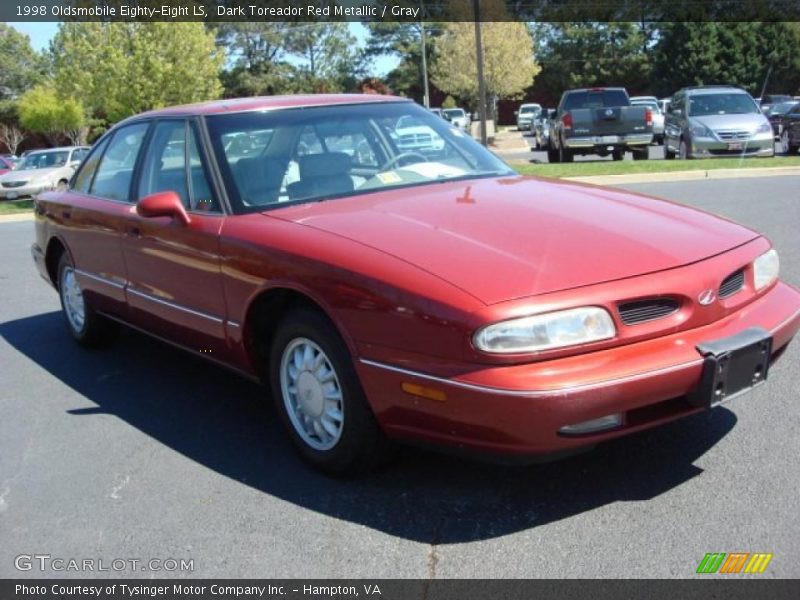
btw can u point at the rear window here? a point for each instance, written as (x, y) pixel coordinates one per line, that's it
(596, 99)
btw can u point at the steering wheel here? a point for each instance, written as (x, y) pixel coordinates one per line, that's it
(400, 157)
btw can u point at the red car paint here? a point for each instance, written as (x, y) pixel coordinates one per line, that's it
(409, 275)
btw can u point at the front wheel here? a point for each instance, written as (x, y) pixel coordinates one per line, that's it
(319, 397)
(786, 145)
(87, 327)
(618, 154)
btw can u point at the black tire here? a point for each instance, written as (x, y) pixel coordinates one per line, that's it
(361, 445)
(618, 154)
(96, 331)
(552, 155)
(668, 154)
(641, 154)
(565, 154)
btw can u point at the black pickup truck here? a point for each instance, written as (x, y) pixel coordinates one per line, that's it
(599, 121)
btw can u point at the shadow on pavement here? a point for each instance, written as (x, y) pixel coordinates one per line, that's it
(227, 424)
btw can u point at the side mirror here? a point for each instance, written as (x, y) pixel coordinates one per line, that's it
(75, 164)
(163, 204)
(516, 112)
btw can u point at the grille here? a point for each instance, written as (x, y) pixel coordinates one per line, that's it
(729, 135)
(642, 311)
(416, 138)
(731, 284)
(13, 184)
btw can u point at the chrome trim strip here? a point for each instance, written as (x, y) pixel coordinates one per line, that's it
(234, 324)
(531, 393)
(101, 279)
(190, 311)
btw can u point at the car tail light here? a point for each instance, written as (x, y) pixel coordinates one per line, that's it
(648, 116)
(567, 121)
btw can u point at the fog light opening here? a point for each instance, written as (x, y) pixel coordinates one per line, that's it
(593, 425)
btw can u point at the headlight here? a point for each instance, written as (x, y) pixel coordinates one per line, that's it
(765, 269)
(700, 130)
(546, 331)
(765, 127)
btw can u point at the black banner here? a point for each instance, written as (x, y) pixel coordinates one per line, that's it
(400, 10)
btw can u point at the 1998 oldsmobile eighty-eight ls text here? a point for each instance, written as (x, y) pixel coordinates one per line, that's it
(400, 282)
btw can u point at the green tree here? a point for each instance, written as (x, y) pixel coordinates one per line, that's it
(42, 110)
(583, 54)
(330, 60)
(509, 65)
(20, 65)
(119, 69)
(257, 54)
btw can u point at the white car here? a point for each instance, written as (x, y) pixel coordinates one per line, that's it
(42, 170)
(526, 114)
(458, 117)
(658, 115)
(414, 136)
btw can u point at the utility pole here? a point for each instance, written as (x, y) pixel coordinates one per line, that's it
(426, 99)
(481, 82)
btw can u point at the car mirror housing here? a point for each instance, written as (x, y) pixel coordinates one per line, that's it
(163, 204)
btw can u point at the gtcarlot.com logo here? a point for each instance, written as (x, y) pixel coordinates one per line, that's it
(734, 562)
(46, 562)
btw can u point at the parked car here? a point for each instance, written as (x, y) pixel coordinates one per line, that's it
(658, 115)
(446, 301)
(41, 170)
(789, 126)
(414, 135)
(716, 121)
(777, 113)
(6, 164)
(540, 129)
(599, 121)
(525, 114)
(458, 117)
(768, 100)
(438, 112)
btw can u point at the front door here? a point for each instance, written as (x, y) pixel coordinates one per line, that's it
(174, 278)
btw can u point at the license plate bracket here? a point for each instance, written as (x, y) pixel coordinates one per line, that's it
(735, 146)
(732, 366)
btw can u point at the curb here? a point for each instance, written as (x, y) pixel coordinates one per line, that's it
(699, 174)
(16, 217)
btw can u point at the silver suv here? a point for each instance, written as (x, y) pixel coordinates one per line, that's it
(716, 121)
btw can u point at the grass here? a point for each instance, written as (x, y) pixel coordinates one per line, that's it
(609, 167)
(11, 207)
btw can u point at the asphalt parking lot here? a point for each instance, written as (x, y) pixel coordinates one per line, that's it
(142, 452)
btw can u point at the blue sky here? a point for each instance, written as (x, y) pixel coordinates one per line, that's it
(41, 34)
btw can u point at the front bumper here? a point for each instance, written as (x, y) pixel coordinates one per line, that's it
(519, 409)
(23, 191)
(524, 123)
(635, 139)
(763, 145)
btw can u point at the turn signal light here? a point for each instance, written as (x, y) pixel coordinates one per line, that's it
(423, 392)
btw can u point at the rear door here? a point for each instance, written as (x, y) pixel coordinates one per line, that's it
(92, 219)
(174, 277)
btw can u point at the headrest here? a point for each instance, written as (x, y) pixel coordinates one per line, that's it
(324, 165)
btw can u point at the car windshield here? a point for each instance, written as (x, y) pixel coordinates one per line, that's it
(596, 99)
(44, 160)
(649, 103)
(529, 109)
(703, 105)
(455, 113)
(326, 152)
(782, 108)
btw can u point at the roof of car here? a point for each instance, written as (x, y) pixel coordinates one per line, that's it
(38, 150)
(710, 89)
(268, 103)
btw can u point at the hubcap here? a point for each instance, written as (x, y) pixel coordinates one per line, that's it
(312, 394)
(72, 295)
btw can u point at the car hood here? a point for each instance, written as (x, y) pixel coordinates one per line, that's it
(748, 122)
(28, 174)
(505, 238)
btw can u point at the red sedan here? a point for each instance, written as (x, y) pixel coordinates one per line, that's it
(388, 278)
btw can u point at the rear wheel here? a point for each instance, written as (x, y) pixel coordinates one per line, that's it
(618, 154)
(87, 327)
(564, 154)
(319, 397)
(552, 155)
